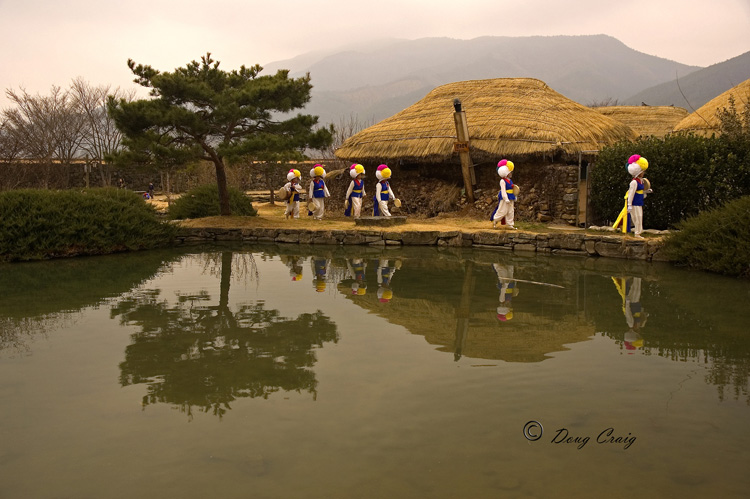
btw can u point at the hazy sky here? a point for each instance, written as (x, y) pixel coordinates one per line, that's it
(51, 42)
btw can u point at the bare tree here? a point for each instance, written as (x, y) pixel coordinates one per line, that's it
(101, 137)
(347, 127)
(44, 126)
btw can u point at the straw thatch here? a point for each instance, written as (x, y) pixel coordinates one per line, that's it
(704, 121)
(647, 121)
(506, 117)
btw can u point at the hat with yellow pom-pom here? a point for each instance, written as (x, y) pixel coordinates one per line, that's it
(504, 167)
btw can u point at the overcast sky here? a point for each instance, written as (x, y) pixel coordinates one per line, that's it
(51, 42)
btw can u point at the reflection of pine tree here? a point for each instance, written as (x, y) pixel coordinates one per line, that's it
(192, 354)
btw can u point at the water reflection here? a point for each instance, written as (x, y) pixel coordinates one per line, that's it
(629, 289)
(200, 352)
(508, 290)
(385, 277)
(37, 297)
(201, 348)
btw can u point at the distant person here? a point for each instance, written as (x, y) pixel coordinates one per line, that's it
(151, 190)
(356, 191)
(506, 198)
(383, 193)
(120, 183)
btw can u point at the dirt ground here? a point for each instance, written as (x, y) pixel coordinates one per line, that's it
(272, 216)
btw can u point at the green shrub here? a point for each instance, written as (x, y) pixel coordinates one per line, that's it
(717, 240)
(39, 224)
(203, 201)
(689, 175)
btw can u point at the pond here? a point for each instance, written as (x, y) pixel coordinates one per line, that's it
(296, 371)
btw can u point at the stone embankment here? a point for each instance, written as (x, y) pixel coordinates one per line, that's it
(560, 243)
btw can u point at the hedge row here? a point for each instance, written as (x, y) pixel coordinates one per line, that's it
(717, 240)
(39, 224)
(688, 174)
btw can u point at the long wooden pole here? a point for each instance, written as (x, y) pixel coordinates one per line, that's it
(467, 169)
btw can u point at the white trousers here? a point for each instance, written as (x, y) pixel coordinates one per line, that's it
(319, 208)
(506, 209)
(383, 207)
(636, 215)
(292, 208)
(356, 206)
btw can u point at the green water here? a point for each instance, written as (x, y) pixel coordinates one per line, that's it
(294, 371)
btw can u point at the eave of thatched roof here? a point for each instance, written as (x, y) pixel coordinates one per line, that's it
(647, 121)
(704, 120)
(507, 117)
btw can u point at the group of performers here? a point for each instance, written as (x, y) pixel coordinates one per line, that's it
(318, 191)
(504, 213)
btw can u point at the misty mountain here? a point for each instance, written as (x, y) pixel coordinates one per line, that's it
(375, 80)
(697, 88)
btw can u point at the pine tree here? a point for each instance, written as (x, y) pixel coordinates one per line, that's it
(200, 112)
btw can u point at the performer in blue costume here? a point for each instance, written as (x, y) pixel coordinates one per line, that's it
(293, 190)
(318, 192)
(356, 191)
(506, 198)
(637, 165)
(383, 193)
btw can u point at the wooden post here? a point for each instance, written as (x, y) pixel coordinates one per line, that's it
(462, 146)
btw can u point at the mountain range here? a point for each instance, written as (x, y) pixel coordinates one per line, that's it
(371, 81)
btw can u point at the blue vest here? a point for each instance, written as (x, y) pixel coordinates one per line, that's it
(508, 190)
(319, 189)
(638, 197)
(295, 195)
(384, 193)
(357, 190)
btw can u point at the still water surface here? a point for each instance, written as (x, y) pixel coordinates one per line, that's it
(357, 372)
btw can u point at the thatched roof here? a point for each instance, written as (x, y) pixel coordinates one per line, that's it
(647, 121)
(507, 117)
(704, 120)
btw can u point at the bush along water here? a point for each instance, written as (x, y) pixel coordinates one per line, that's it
(40, 224)
(688, 174)
(717, 240)
(203, 201)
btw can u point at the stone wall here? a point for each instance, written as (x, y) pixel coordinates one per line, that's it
(563, 243)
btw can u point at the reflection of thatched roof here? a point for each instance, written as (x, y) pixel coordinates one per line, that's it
(647, 121)
(704, 120)
(506, 117)
(525, 338)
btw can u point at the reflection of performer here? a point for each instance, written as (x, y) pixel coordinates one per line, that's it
(357, 270)
(635, 316)
(508, 289)
(295, 266)
(385, 277)
(320, 273)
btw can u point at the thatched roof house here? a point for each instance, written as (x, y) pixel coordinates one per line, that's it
(647, 121)
(506, 117)
(704, 120)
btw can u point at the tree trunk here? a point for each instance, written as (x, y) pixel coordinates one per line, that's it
(221, 181)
